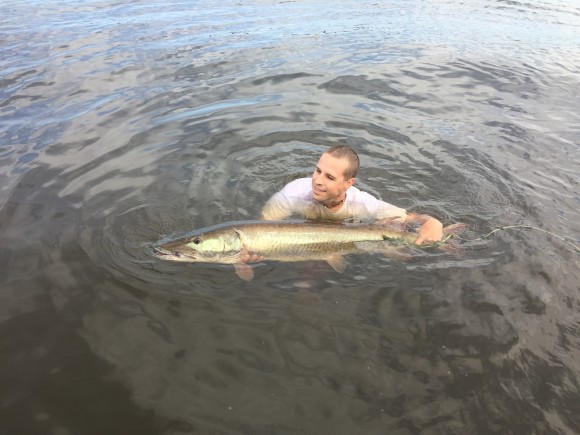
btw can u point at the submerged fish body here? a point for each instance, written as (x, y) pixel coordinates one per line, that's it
(284, 241)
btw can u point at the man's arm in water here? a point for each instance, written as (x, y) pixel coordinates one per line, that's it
(252, 257)
(430, 230)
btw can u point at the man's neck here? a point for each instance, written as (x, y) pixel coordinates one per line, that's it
(335, 205)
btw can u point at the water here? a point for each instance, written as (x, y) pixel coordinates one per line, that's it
(122, 123)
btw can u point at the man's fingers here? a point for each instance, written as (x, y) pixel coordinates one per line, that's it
(424, 239)
(250, 257)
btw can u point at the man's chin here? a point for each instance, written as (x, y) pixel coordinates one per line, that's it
(319, 197)
(317, 194)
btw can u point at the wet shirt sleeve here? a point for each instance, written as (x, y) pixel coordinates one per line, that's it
(378, 209)
(293, 199)
(278, 207)
(385, 210)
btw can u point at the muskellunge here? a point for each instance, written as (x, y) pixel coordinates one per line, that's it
(286, 241)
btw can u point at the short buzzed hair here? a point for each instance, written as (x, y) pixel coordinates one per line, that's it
(345, 152)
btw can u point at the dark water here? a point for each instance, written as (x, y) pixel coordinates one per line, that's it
(123, 122)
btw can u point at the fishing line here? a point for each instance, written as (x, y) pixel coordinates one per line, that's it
(509, 227)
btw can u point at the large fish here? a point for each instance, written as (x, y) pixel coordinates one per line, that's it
(283, 241)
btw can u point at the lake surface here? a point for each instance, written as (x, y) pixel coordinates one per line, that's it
(125, 122)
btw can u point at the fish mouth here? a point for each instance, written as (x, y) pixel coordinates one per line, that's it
(160, 251)
(166, 254)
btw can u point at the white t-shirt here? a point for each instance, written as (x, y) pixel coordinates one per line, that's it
(296, 199)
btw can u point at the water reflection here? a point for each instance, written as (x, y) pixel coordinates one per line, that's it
(123, 124)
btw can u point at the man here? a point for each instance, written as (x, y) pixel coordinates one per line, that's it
(330, 195)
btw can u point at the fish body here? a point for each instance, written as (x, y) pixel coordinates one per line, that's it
(284, 241)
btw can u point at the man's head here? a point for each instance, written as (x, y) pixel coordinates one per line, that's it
(334, 173)
(346, 152)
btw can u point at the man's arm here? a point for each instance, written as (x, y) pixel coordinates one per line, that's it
(430, 230)
(275, 209)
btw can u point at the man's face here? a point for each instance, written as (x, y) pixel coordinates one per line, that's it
(328, 182)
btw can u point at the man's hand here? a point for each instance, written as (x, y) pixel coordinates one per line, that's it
(431, 230)
(250, 257)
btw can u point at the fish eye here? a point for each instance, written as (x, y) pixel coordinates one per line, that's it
(197, 240)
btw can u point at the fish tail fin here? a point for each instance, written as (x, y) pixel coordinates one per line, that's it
(450, 244)
(452, 248)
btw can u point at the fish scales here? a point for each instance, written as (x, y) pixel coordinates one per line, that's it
(307, 240)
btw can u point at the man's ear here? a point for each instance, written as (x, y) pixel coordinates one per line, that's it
(350, 182)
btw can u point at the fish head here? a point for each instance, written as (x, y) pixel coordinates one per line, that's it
(210, 247)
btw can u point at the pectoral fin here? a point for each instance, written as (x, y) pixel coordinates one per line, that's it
(337, 262)
(399, 254)
(244, 271)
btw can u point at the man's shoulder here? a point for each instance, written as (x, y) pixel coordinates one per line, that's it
(356, 195)
(368, 204)
(302, 187)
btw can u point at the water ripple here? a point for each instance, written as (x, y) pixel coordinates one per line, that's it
(125, 122)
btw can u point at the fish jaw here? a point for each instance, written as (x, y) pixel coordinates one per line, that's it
(222, 247)
(185, 255)
(171, 255)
